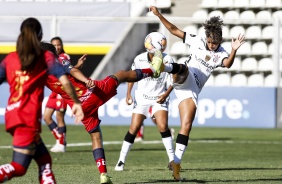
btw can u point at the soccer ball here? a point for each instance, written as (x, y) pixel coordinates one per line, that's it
(155, 41)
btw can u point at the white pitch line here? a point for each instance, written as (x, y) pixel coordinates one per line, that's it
(160, 142)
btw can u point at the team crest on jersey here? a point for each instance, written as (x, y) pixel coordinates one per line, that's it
(65, 62)
(207, 58)
(215, 58)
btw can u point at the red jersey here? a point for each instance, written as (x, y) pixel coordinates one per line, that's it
(53, 84)
(26, 89)
(91, 99)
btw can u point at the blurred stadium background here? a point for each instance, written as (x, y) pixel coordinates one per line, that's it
(111, 32)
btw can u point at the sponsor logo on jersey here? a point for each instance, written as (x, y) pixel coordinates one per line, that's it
(150, 97)
(13, 106)
(197, 80)
(204, 63)
(143, 60)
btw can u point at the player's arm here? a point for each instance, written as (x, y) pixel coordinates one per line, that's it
(235, 44)
(58, 71)
(69, 89)
(80, 61)
(162, 98)
(170, 27)
(76, 73)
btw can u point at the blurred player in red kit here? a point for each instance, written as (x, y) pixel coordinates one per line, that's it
(26, 70)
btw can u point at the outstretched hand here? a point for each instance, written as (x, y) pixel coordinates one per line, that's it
(78, 112)
(81, 60)
(154, 10)
(237, 42)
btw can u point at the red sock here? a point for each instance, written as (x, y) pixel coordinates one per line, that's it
(147, 72)
(46, 175)
(56, 134)
(8, 171)
(101, 164)
(62, 139)
(140, 132)
(44, 164)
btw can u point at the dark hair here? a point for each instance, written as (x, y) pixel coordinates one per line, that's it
(28, 43)
(60, 40)
(48, 46)
(213, 28)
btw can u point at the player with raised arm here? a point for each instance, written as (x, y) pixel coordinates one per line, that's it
(26, 70)
(151, 93)
(206, 55)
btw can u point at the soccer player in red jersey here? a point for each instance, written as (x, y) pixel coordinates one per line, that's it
(26, 70)
(57, 103)
(93, 97)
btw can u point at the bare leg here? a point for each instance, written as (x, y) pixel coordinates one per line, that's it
(187, 110)
(47, 117)
(60, 118)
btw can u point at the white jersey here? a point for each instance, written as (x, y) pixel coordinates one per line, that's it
(201, 64)
(148, 89)
(203, 61)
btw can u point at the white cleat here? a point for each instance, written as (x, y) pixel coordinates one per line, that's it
(119, 166)
(105, 179)
(138, 139)
(58, 148)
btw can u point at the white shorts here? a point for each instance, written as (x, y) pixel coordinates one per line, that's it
(188, 89)
(144, 109)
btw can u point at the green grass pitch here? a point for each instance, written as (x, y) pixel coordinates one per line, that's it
(214, 155)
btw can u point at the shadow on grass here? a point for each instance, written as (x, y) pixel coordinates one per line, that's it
(230, 169)
(211, 139)
(118, 149)
(215, 180)
(211, 181)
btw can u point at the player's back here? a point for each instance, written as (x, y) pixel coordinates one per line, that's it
(26, 90)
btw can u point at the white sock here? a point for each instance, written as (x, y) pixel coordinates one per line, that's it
(168, 67)
(125, 148)
(168, 144)
(179, 151)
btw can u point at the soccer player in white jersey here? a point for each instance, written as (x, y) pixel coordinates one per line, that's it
(150, 93)
(206, 55)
